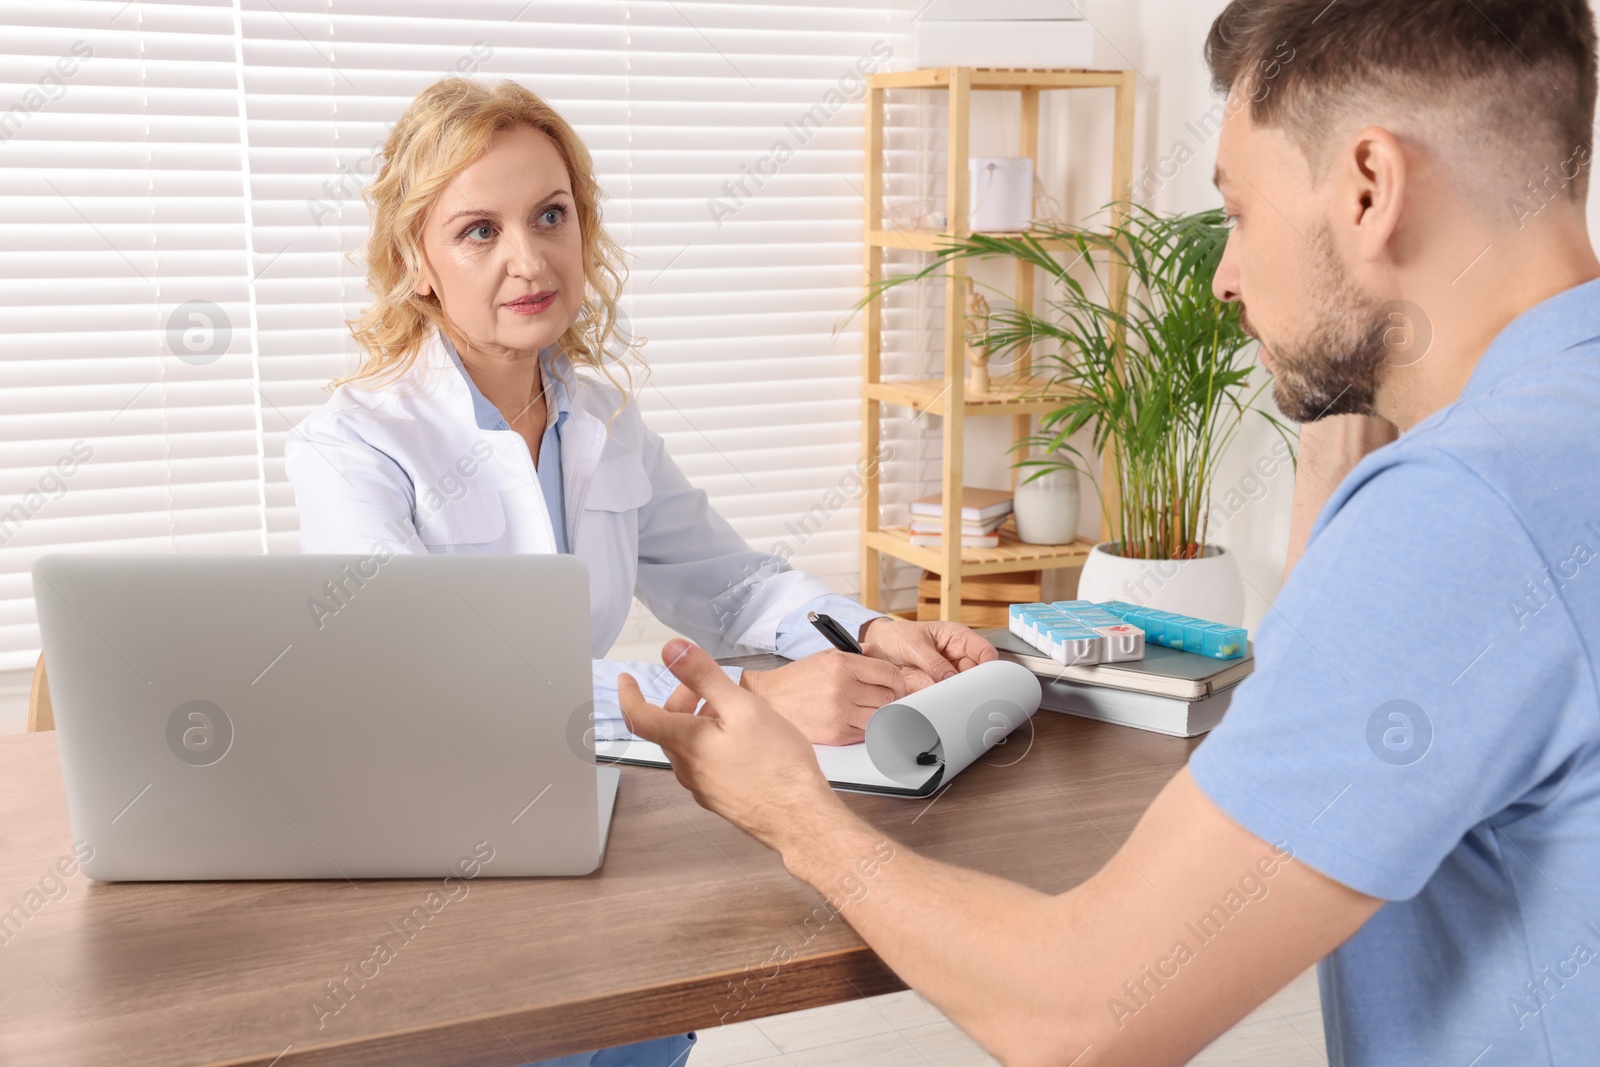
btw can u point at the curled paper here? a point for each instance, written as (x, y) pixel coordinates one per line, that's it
(954, 722)
(949, 724)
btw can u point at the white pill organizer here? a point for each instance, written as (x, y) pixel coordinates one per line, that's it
(1078, 633)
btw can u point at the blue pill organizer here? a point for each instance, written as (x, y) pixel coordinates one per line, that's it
(1212, 639)
(1081, 633)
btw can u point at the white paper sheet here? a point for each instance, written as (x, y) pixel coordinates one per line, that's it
(958, 720)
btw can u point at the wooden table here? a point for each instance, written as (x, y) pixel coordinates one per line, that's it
(136, 974)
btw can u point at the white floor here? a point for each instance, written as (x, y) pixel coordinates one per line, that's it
(903, 1030)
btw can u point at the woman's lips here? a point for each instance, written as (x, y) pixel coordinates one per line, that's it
(533, 306)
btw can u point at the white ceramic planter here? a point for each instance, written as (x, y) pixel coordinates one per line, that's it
(1207, 588)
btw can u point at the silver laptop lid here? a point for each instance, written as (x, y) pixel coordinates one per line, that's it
(227, 717)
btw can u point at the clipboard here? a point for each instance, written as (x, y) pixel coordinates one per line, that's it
(914, 745)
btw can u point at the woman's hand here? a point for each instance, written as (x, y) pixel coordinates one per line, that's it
(926, 652)
(829, 696)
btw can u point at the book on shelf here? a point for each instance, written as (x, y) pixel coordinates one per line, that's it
(926, 525)
(967, 541)
(977, 505)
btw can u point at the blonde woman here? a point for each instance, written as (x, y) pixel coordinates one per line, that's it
(484, 418)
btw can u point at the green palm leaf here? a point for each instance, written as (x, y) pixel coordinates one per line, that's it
(1164, 381)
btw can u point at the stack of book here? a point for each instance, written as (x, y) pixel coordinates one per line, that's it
(1169, 692)
(983, 512)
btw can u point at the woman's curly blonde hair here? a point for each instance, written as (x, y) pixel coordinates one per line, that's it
(445, 130)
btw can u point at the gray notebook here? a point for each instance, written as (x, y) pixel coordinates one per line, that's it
(1163, 672)
(1122, 707)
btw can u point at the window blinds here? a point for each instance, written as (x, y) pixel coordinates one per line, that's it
(182, 207)
(128, 419)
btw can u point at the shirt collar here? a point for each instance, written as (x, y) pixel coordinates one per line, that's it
(1563, 322)
(557, 400)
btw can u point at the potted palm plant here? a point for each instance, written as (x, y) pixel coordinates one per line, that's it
(1160, 380)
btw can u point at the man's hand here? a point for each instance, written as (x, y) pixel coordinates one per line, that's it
(739, 757)
(926, 652)
(1026, 973)
(829, 696)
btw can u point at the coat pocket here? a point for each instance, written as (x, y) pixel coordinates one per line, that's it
(472, 519)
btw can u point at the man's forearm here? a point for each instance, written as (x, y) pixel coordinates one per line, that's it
(985, 951)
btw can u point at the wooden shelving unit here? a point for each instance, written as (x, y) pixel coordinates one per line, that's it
(1019, 395)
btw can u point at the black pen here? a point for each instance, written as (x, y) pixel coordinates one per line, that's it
(835, 633)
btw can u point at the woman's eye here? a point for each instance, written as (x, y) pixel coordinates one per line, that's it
(553, 216)
(478, 231)
(1230, 222)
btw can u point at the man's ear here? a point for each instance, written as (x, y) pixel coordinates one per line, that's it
(1376, 178)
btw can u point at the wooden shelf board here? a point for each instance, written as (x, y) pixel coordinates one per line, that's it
(1002, 78)
(1008, 395)
(935, 240)
(1012, 555)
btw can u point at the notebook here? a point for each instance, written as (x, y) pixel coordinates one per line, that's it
(914, 745)
(1122, 707)
(976, 504)
(929, 524)
(1164, 672)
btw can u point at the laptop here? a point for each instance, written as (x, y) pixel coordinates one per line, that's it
(287, 717)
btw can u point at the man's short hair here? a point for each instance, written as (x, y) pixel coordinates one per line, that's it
(1521, 73)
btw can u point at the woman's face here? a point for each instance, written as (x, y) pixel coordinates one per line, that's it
(502, 247)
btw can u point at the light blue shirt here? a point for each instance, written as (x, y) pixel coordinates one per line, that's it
(548, 467)
(1423, 724)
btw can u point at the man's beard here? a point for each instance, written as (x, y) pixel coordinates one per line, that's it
(1334, 368)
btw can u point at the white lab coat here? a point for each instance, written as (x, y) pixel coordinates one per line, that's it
(408, 467)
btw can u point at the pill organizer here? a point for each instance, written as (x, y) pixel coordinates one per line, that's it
(1082, 633)
(1077, 633)
(1187, 634)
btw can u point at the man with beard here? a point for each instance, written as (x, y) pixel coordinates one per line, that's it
(1408, 787)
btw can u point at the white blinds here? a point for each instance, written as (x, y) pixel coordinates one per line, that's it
(182, 208)
(128, 419)
(742, 207)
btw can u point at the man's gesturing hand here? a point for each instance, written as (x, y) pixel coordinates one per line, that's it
(739, 757)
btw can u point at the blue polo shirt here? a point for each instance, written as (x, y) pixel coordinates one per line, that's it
(1423, 724)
